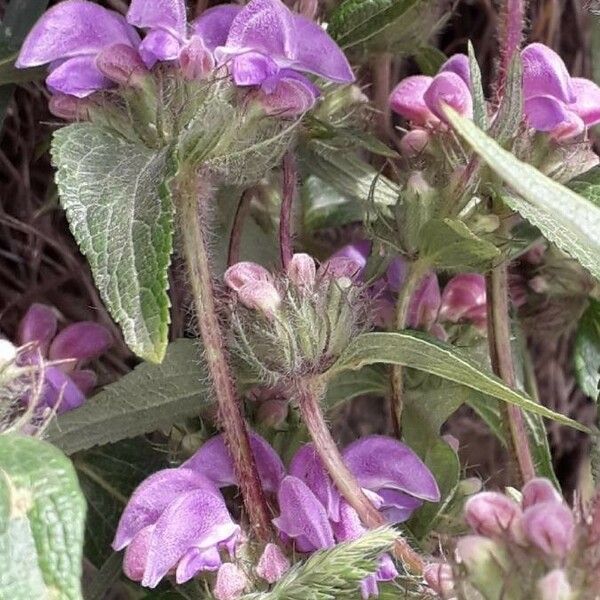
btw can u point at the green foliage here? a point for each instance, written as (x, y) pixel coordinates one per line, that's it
(564, 217)
(587, 185)
(448, 244)
(480, 116)
(351, 384)
(421, 352)
(429, 59)
(382, 25)
(42, 512)
(150, 397)
(510, 111)
(332, 574)
(116, 199)
(586, 355)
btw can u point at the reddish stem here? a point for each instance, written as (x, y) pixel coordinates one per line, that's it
(512, 21)
(235, 240)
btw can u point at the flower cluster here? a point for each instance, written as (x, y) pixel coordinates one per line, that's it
(554, 102)
(263, 46)
(177, 522)
(521, 549)
(61, 356)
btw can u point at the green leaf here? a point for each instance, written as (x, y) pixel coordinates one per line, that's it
(108, 574)
(429, 59)
(419, 351)
(42, 512)
(332, 574)
(488, 410)
(150, 397)
(510, 112)
(587, 185)
(108, 475)
(116, 199)
(480, 116)
(586, 355)
(348, 385)
(450, 245)
(564, 217)
(382, 25)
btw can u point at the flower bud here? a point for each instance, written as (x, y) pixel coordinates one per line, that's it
(439, 578)
(196, 60)
(69, 108)
(554, 586)
(550, 527)
(494, 515)
(238, 275)
(302, 270)
(231, 582)
(539, 284)
(407, 100)
(414, 142)
(463, 298)
(261, 295)
(539, 490)
(273, 564)
(272, 413)
(122, 64)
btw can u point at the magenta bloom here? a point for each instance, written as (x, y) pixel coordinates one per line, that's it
(420, 98)
(75, 345)
(464, 300)
(554, 101)
(69, 37)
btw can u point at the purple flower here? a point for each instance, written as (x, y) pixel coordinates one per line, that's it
(464, 299)
(254, 287)
(419, 98)
(555, 102)
(69, 37)
(175, 521)
(65, 382)
(269, 46)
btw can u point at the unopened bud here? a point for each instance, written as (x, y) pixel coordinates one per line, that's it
(439, 578)
(260, 295)
(196, 60)
(242, 273)
(414, 142)
(539, 284)
(273, 564)
(550, 526)
(272, 413)
(122, 64)
(494, 515)
(554, 586)
(69, 108)
(302, 271)
(231, 582)
(463, 298)
(539, 490)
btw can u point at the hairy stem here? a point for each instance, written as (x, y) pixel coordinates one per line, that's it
(413, 276)
(286, 245)
(382, 88)
(502, 363)
(310, 392)
(512, 21)
(193, 199)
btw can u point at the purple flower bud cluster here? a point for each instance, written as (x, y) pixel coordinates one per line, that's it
(554, 102)
(177, 523)
(540, 530)
(61, 356)
(263, 46)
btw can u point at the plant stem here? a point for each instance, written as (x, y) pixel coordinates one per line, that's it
(502, 363)
(286, 246)
(382, 87)
(194, 197)
(512, 20)
(413, 276)
(310, 392)
(235, 240)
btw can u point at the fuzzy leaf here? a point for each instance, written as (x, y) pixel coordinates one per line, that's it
(424, 353)
(332, 574)
(586, 354)
(450, 245)
(565, 218)
(587, 185)
(115, 195)
(150, 397)
(510, 112)
(480, 116)
(42, 512)
(349, 385)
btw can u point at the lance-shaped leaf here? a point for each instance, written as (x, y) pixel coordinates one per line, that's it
(563, 217)
(586, 355)
(42, 512)
(480, 116)
(424, 353)
(150, 397)
(115, 195)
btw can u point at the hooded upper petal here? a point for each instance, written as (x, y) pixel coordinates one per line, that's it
(317, 53)
(74, 28)
(84, 341)
(407, 99)
(159, 14)
(213, 24)
(78, 76)
(302, 516)
(449, 88)
(587, 103)
(459, 64)
(194, 519)
(159, 45)
(38, 325)
(463, 295)
(545, 74)
(196, 560)
(382, 462)
(152, 497)
(307, 466)
(214, 461)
